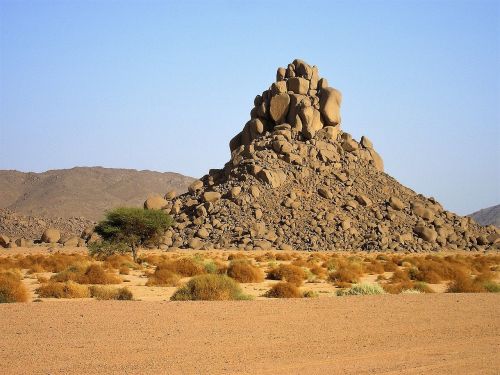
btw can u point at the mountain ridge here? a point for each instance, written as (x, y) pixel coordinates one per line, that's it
(83, 191)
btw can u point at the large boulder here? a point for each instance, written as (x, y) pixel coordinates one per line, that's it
(4, 240)
(426, 233)
(298, 85)
(274, 178)
(279, 107)
(329, 105)
(51, 235)
(155, 202)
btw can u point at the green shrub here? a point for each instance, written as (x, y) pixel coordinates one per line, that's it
(362, 290)
(492, 287)
(209, 287)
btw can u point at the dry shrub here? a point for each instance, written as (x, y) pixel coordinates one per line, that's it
(120, 261)
(390, 266)
(7, 263)
(265, 257)
(163, 277)
(42, 279)
(124, 270)
(12, 288)
(346, 275)
(288, 272)
(54, 262)
(284, 290)
(185, 267)
(342, 284)
(400, 276)
(36, 268)
(236, 256)
(374, 267)
(397, 288)
(319, 271)
(485, 276)
(95, 274)
(463, 283)
(68, 289)
(152, 259)
(422, 287)
(283, 256)
(209, 287)
(109, 293)
(244, 272)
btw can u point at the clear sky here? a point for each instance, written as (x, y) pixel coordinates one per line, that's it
(164, 85)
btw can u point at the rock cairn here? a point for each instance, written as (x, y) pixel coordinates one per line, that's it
(295, 180)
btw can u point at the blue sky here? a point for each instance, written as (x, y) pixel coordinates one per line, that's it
(164, 85)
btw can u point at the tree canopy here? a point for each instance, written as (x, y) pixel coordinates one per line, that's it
(133, 226)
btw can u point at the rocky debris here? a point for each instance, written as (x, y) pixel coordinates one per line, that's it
(23, 231)
(295, 180)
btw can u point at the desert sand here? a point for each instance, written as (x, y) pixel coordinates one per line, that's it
(386, 334)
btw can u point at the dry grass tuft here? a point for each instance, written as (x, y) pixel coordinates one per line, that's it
(12, 288)
(209, 287)
(163, 277)
(185, 267)
(68, 289)
(110, 293)
(288, 272)
(284, 290)
(283, 256)
(244, 272)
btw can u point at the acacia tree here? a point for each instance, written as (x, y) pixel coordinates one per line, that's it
(133, 227)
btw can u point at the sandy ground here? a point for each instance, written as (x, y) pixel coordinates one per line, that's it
(386, 334)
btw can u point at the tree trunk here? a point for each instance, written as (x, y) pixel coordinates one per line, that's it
(134, 252)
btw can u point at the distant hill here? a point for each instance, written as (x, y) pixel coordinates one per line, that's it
(83, 191)
(488, 216)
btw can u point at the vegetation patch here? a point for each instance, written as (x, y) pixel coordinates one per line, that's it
(12, 288)
(209, 287)
(283, 290)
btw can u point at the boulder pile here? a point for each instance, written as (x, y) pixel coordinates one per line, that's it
(295, 180)
(17, 230)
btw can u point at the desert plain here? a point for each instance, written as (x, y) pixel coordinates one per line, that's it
(404, 333)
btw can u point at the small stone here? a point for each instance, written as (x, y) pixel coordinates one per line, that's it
(325, 193)
(235, 191)
(254, 191)
(202, 233)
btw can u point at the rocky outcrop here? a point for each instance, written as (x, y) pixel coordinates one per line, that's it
(296, 180)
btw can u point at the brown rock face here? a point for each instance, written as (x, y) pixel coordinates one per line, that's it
(295, 180)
